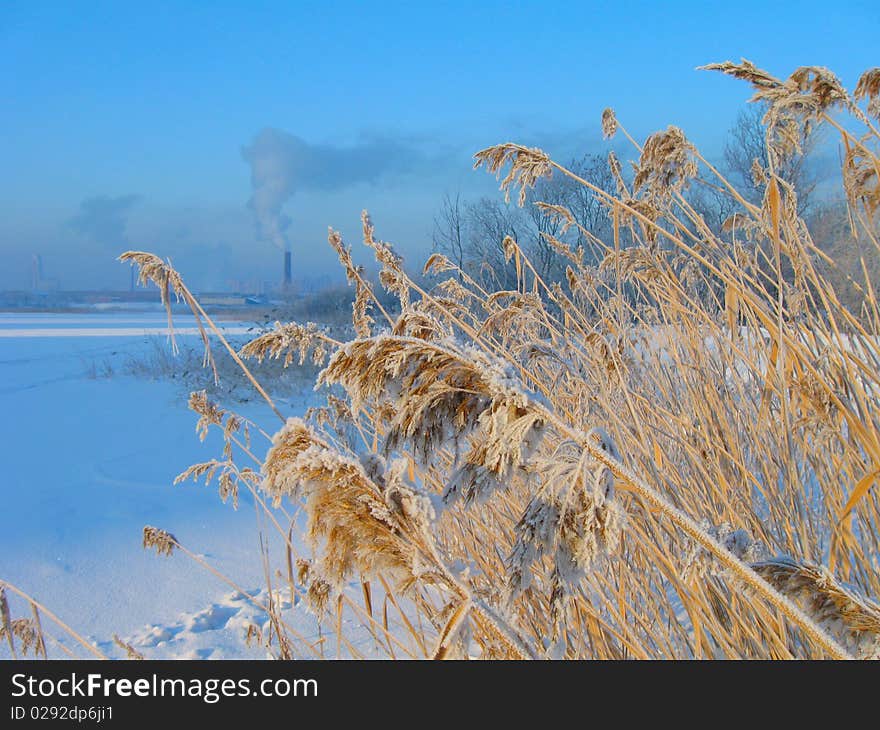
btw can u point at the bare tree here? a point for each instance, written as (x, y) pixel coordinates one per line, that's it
(713, 204)
(557, 190)
(747, 142)
(449, 230)
(471, 233)
(489, 221)
(589, 211)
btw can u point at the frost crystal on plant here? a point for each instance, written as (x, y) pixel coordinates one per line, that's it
(575, 519)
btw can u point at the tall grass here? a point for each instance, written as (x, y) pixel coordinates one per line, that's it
(671, 454)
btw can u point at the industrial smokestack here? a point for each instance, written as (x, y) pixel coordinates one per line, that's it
(287, 269)
(37, 272)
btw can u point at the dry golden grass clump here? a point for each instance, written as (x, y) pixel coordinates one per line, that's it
(359, 524)
(669, 452)
(291, 341)
(574, 518)
(849, 617)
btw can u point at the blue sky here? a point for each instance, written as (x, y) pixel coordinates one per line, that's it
(151, 104)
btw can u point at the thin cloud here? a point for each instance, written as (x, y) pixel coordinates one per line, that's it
(103, 218)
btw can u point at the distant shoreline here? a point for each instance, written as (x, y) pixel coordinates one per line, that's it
(252, 313)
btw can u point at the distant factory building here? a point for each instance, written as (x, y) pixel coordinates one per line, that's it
(229, 300)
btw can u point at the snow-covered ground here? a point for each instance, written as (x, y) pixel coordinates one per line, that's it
(85, 463)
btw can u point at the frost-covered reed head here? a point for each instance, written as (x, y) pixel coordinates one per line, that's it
(358, 523)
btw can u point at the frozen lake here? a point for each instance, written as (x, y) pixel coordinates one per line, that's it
(87, 462)
(51, 326)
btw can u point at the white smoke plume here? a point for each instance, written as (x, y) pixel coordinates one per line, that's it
(282, 163)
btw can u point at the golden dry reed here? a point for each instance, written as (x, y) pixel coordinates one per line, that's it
(668, 451)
